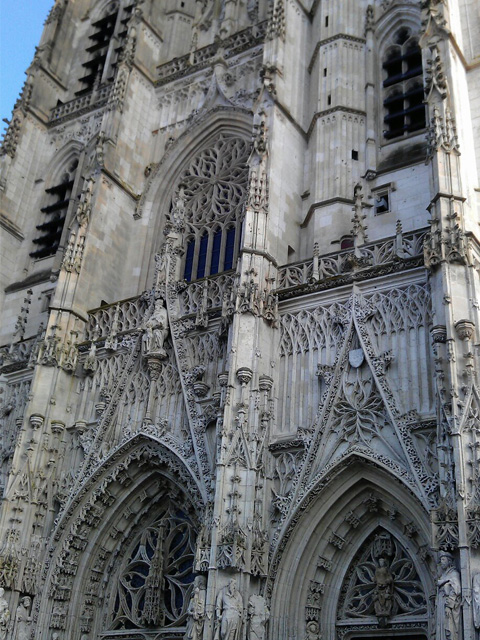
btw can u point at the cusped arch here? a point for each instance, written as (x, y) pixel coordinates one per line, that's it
(102, 9)
(61, 160)
(156, 198)
(125, 494)
(406, 16)
(326, 531)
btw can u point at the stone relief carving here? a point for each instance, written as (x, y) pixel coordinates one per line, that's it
(197, 610)
(448, 599)
(4, 615)
(23, 619)
(476, 600)
(383, 597)
(156, 331)
(229, 612)
(376, 319)
(258, 615)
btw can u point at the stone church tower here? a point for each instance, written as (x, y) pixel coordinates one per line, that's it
(240, 303)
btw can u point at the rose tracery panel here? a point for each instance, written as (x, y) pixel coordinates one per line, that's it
(155, 581)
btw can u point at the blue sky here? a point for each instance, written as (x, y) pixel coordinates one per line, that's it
(21, 24)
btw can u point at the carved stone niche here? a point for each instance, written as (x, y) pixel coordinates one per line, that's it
(287, 456)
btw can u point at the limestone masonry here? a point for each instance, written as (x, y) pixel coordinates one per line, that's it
(240, 304)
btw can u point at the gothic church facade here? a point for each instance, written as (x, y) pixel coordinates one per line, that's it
(239, 380)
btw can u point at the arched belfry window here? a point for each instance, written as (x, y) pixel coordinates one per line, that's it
(58, 198)
(404, 111)
(104, 45)
(156, 577)
(213, 190)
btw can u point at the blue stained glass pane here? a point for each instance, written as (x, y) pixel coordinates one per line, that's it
(202, 256)
(229, 249)
(217, 241)
(187, 274)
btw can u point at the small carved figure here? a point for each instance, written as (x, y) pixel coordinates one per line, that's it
(196, 610)
(448, 599)
(258, 615)
(229, 610)
(383, 597)
(178, 211)
(313, 630)
(4, 615)
(23, 619)
(156, 331)
(476, 600)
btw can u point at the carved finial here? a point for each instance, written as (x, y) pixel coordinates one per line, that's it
(359, 229)
(84, 208)
(369, 18)
(21, 323)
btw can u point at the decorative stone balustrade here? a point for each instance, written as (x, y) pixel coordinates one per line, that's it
(208, 293)
(93, 100)
(122, 317)
(373, 254)
(190, 63)
(211, 293)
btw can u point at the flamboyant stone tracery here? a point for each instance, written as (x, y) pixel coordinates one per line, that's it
(239, 392)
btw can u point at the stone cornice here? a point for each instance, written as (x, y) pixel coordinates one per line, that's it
(11, 227)
(327, 112)
(321, 43)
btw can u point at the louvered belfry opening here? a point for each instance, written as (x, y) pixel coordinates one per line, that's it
(55, 213)
(403, 85)
(98, 51)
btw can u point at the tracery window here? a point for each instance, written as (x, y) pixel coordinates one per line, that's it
(212, 191)
(382, 584)
(403, 86)
(156, 579)
(55, 212)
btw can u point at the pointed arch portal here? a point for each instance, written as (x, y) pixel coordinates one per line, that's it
(358, 558)
(124, 551)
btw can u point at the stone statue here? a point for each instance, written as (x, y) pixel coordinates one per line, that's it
(156, 331)
(196, 610)
(448, 599)
(383, 597)
(23, 619)
(258, 615)
(4, 615)
(476, 600)
(229, 610)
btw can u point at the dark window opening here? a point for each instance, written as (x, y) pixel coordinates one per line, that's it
(189, 260)
(215, 261)
(354, 154)
(382, 202)
(346, 243)
(325, 72)
(229, 249)
(402, 36)
(55, 213)
(329, 100)
(202, 256)
(98, 50)
(403, 103)
(326, 21)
